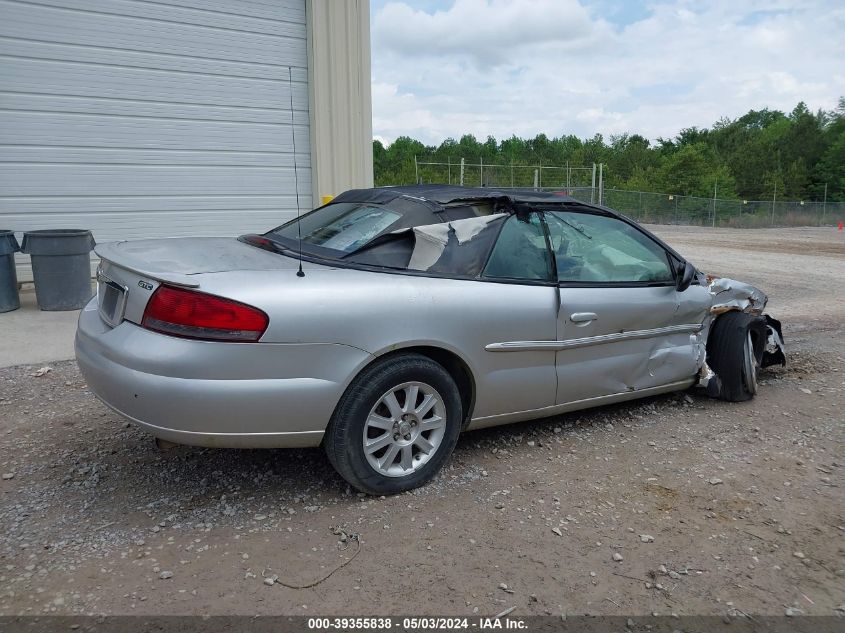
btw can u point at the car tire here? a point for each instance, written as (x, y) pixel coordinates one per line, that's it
(407, 442)
(733, 353)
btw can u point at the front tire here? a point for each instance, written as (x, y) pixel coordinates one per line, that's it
(395, 425)
(733, 353)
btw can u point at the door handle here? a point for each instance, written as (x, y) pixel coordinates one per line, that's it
(582, 317)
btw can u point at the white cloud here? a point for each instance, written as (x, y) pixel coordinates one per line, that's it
(528, 66)
(490, 32)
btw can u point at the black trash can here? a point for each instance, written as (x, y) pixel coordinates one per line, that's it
(9, 298)
(61, 267)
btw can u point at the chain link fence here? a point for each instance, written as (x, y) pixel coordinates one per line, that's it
(643, 206)
(660, 208)
(502, 176)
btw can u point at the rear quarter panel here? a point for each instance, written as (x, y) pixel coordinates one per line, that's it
(382, 312)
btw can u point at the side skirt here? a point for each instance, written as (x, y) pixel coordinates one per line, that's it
(576, 405)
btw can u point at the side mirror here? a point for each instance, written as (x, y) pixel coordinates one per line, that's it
(686, 277)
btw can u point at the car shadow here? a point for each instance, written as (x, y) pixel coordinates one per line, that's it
(122, 477)
(213, 479)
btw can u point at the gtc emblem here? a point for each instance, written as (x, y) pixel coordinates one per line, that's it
(145, 285)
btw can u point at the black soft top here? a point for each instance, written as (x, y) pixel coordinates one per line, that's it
(420, 201)
(440, 195)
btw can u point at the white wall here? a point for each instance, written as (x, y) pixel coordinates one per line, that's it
(339, 95)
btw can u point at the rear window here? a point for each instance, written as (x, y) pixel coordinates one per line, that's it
(343, 227)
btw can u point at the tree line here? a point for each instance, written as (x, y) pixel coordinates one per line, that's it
(758, 155)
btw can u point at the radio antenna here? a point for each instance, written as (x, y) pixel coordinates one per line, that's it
(300, 272)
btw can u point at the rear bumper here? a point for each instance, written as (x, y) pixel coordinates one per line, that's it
(215, 394)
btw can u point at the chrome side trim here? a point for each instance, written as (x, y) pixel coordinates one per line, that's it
(557, 346)
(575, 405)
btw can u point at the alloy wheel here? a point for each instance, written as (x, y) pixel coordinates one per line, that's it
(404, 429)
(749, 365)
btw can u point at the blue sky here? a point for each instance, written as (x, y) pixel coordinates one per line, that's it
(620, 13)
(501, 67)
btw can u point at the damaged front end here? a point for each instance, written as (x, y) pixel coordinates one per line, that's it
(729, 295)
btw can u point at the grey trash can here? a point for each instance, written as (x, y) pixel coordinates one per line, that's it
(9, 298)
(61, 267)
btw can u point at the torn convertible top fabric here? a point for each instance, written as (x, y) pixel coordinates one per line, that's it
(431, 240)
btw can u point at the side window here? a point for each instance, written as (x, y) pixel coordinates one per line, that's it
(602, 249)
(520, 252)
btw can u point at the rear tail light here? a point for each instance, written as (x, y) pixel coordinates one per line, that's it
(193, 314)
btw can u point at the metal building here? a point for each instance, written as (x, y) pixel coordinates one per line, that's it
(146, 119)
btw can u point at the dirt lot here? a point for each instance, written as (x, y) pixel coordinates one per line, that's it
(677, 504)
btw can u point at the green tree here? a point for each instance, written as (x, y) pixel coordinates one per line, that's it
(685, 171)
(753, 156)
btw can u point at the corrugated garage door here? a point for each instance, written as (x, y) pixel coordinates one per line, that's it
(139, 119)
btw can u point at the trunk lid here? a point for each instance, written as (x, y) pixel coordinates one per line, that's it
(130, 271)
(175, 260)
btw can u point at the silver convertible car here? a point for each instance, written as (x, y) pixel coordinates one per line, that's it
(383, 324)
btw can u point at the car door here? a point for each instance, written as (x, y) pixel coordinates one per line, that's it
(622, 326)
(517, 373)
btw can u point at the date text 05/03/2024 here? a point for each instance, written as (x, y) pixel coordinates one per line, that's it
(417, 623)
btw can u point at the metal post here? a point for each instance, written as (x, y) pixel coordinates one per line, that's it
(535, 178)
(416, 171)
(774, 199)
(511, 174)
(824, 204)
(601, 182)
(540, 181)
(481, 175)
(715, 185)
(462, 171)
(676, 210)
(449, 172)
(568, 177)
(640, 214)
(593, 186)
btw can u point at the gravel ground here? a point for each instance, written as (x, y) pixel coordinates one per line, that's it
(675, 504)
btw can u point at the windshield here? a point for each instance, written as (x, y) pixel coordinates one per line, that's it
(344, 226)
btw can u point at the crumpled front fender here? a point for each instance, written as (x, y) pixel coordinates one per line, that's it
(732, 295)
